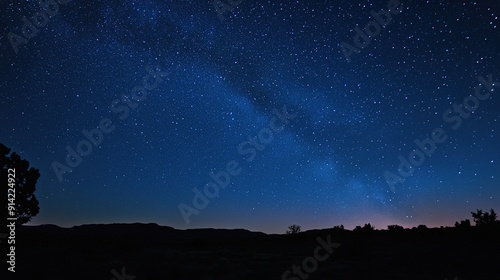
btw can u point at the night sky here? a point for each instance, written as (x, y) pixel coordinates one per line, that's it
(312, 123)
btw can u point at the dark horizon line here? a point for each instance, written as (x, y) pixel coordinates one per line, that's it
(212, 228)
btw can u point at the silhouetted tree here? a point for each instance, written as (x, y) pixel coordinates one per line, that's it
(484, 218)
(422, 227)
(395, 227)
(293, 229)
(463, 224)
(366, 228)
(26, 204)
(341, 227)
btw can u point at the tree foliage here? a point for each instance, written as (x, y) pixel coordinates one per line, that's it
(484, 218)
(26, 204)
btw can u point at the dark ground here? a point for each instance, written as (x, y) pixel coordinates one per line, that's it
(149, 251)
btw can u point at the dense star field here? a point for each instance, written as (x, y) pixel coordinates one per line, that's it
(254, 114)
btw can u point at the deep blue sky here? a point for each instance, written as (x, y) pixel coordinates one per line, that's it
(225, 77)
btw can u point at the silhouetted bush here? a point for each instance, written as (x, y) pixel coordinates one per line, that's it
(395, 227)
(366, 228)
(422, 227)
(341, 227)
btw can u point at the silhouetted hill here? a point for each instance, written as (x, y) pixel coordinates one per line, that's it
(134, 230)
(150, 251)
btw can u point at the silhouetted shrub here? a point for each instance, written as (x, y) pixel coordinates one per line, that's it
(422, 227)
(366, 228)
(395, 227)
(341, 227)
